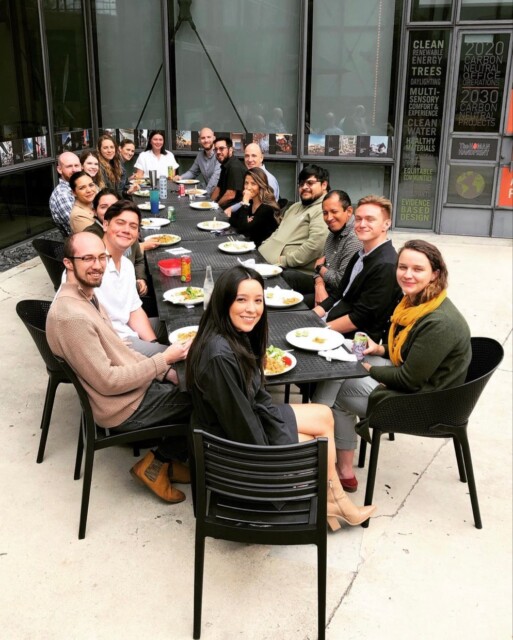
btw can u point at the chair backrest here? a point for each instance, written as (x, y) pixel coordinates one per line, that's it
(429, 413)
(249, 492)
(33, 315)
(51, 253)
(82, 395)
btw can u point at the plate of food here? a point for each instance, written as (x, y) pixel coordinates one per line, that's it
(183, 334)
(146, 206)
(278, 361)
(267, 270)
(314, 338)
(184, 295)
(213, 225)
(145, 193)
(188, 181)
(196, 192)
(237, 246)
(154, 223)
(281, 298)
(206, 204)
(163, 239)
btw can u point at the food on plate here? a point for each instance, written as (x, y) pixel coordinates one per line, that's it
(186, 335)
(291, 300)
(276, 361)
(237, 246)
(195, 192)
(319, 340)
(205, 205)
(301, 333)
(191, 293)
(213, 224)
(164, 238)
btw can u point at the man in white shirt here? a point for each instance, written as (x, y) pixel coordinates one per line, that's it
(205, 163)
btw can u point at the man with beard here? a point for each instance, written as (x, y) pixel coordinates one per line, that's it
(300, 238)
(231, 179)
(126, 389)
(205, 163)
(62, 198)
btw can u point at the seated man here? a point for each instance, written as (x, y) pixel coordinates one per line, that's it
(118, 291)
(367, 295)
(340, 247)
(126, 390)
(231, 178)
(62, 198)
(299, 240)
(205, 164)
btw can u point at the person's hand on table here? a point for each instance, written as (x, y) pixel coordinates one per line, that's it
(142, 287)
(320, 311)
(228, 212)
(177, 351)
(146, 245)
(133, 188)
(176, 178)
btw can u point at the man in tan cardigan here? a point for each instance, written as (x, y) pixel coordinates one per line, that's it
(126, 389)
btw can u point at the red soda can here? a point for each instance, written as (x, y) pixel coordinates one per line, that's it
(181, 190)
(185, 268)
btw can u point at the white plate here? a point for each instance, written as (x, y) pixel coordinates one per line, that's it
(267, 270)
(281, 298)
(314, 338)
(196, 192)
(204, 206)
(142, 194)
(146, 206)
(287, 367)
(238, 246)
(171, 239)
(213, 225)
(177, 334)
(154, 223)
(176, 296)
(189, 181)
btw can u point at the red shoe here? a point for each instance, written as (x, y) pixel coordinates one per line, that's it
(350, 485)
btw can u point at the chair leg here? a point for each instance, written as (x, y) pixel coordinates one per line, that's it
(321, 590)
(80, 449)
(362, 453)
(373, 465)
(47, 416)
(391, 436)
(286, 398)
(199, 560)
(459, 460)
(86, 491)
(463, 440)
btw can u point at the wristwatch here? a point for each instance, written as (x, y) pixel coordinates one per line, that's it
(318, 268)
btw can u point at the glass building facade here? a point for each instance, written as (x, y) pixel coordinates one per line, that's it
(407, 98)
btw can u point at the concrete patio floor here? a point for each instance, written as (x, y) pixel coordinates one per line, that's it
(421, 570)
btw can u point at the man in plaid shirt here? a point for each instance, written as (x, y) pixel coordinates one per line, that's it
(62, 198)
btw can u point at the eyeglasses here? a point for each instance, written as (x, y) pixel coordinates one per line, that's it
(306, 183)
(92, 259)
(220, 148)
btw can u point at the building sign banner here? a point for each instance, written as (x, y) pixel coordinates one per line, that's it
(422, 124)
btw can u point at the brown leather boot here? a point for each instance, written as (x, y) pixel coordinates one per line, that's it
(154, 474)
(341, 507)
(179, 472)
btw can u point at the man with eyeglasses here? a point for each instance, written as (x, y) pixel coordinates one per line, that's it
(300, 238)
(126, 389)
(231, 179)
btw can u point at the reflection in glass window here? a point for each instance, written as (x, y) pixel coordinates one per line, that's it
(352, 67)
(486, 10)
(431, 10)
(359, 180)
(470, 185)
(254, 47)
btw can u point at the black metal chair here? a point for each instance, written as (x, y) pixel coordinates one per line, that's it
(33, 315)
(51, 253)
(260, 495)
(438, 414)
(94, 438)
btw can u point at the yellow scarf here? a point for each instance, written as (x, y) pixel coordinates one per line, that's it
(406, 316)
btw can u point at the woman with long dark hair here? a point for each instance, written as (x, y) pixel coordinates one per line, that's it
(84, 190)
(111, 171)
(91, 165)
(225, 376)
(156, 157)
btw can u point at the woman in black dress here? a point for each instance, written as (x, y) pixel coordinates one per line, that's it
(226, 380)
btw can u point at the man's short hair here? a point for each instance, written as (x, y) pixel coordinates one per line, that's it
(69, 246)
(228, 141)
(117, 208)
(380, 201)
(344, 199)
(313, 170)
(106, 191)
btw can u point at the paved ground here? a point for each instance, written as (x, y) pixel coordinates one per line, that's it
(421, 570)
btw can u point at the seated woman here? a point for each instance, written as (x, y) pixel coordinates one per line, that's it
(91, 165)
(256, 218)
(84, 190)
(226, 380)
(126, 155)
(112, 172)
(428, 348)
(155, 157)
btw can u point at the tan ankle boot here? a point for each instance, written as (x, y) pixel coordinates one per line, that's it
(154, 474)
(341, 507)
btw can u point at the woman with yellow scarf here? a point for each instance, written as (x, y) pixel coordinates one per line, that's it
(428, 348)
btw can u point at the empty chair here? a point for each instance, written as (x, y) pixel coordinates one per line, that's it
(33, 314)
(438, 414)
(51, 253)
(93, 438)
(260, 495)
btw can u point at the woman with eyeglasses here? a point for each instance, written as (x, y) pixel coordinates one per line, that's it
(84, 190)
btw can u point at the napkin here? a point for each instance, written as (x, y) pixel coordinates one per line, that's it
(338, 354)
(250, 262)
(178, 251)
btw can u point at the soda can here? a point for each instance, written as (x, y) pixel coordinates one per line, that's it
(360, 342)
(171, 215)
(186, 269)
(181, 190)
